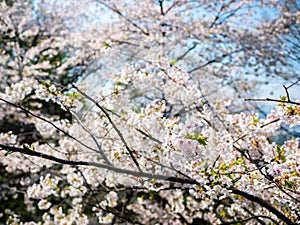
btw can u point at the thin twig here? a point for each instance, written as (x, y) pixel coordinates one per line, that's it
(94, 139)
(149, 136)
(113, 125)
(186, 52)
(47, 121)
(291, 85)
(272, 100)
(273, 121)
(117, 11)
(287, 92)
(288, 101)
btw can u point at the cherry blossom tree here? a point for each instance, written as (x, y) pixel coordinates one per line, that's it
(211, 40)
(154, 145)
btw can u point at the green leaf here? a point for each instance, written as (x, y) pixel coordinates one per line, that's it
(173, 62)
(142, 116)
(136, 109)
(279, 149)
(116, 89)
(31, 147)
(198, 137)
(239, 161)
(202, 140)
(255, 119)
(106, 44)
(223, 167)
(289, 183)
(283, 98)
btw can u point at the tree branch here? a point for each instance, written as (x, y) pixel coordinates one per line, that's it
(215, 60)
(161, 7)
(94, 139)
(263, 203)
(113, 125)
(234, 190)
(47, 121)
(272, 100)
(27, 151)
(186, 52)
(288, 101)
(123, 16)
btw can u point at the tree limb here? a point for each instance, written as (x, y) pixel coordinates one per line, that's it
(27, 151)
(113, 125)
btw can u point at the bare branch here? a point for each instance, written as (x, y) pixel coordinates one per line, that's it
(49, 122)
(113, 125)
(94, 139)
(272, 100)
(161, 7)
(149, 136)
(263, 203)
(27, 151)
(291, 85)
(186, 52)
(215, 60)
(169, 9)
(114, 9)
(288, 101)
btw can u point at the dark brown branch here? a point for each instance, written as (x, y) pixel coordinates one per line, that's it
(94, 139)
(291, 85)
(288, 101)
(123, 16)
(161, 7)
(186, 52)
(47, 121)
(267, 124)
(272, 100)
(215, 60)
(172, 6)
(113, 125)
(234, 190)
(287, 87)
(149, 136)
(263, 203)
(287, 92)
(27, 151)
